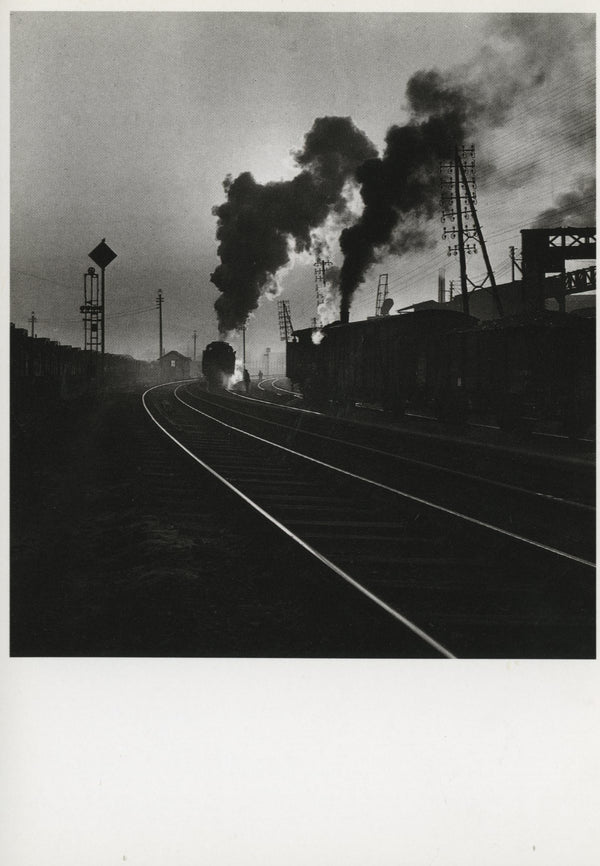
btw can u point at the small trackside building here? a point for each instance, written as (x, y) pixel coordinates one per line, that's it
(174, 366)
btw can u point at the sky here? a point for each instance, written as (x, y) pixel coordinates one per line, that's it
(124, 126)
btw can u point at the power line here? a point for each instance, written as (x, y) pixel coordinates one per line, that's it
(113, 316)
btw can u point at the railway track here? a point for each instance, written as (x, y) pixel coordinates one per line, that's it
(468, 572)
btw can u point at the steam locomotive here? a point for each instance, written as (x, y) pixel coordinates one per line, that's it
(218, 364)
(522, 372)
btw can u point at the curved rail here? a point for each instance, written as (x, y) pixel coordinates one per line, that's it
(280, 526)
(421, 501)
(503, 485)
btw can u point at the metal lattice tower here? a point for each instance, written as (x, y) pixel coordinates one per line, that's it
(321, 268)
(458, 200)
(285, 320)
(454, 201)
(92, 312)
(382, 293)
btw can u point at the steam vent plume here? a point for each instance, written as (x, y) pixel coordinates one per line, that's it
(258, 222)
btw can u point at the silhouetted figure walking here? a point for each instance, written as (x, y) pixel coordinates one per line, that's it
(247, 380)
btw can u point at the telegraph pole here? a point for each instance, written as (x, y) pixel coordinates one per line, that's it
(195, 335)
(244, 346)
(458, 203)
(33, 320)
(480, 236)
(159, 302)
(461, 237)
(452, 208)
(514, 264)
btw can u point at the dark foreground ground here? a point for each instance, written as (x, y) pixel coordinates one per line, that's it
(122, 547)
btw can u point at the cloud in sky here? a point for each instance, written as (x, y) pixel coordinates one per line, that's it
(123, 125)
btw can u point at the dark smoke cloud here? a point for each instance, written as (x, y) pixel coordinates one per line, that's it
(401, 189)
(257, 220)
(576, 208)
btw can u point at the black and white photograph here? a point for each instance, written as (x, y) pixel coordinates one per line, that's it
(303, 335)
(300, 472)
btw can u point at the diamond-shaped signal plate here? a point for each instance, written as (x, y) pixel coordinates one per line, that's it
(102, 255)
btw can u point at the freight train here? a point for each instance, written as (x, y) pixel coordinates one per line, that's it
(218, 364)
(42, 369)
(522, 372)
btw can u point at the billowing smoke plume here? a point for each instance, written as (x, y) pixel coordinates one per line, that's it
(574, 208)
(257, 220)
(400, 191)
(402, 188)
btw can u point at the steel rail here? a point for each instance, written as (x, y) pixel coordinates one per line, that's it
(286, 390)
(277, 405)
(473, 520)
(561, 436)
(315, 553)
(410, 460)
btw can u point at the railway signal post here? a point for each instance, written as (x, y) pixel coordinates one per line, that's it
(102, 255)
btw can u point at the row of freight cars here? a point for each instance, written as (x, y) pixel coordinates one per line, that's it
(42, 369)
(535, 371)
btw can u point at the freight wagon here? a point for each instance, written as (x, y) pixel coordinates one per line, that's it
(393, 361)
(43, 370)
(518, 372)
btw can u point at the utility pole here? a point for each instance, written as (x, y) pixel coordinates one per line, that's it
(195, 335)
(33, 320)
(480, 236)
(456, 187)
(461, 237)
(452, 208)
(244, 346)
(514, 264)
(159, 302)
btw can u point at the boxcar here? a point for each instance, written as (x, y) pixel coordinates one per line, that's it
(392, 361)
(519, 372)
